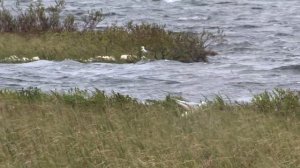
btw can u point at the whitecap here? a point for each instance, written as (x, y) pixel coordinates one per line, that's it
(171, 1)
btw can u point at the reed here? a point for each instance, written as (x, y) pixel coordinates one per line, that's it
(83, 129)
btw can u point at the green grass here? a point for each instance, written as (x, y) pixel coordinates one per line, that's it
(79, 129)
(114, 41)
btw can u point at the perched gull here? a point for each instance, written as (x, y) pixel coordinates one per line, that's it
(143, 49)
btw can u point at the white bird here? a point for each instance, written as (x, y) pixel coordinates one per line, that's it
(189, 105)
(143, 49)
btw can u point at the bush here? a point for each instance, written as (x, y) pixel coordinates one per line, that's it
(159, 42)
(38, 18)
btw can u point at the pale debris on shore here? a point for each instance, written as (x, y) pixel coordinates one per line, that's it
(126, 57)
(14, 58)
(36, 58)
(106, 58)
(100, 58)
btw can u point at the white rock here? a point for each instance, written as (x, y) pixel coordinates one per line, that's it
(13, 58)
(25, 59)
(126, 57)
(35, 58)
(107, 58)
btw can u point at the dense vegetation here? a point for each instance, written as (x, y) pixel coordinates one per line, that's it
(44, 32)
(80, 129)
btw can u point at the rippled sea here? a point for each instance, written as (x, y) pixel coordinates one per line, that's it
(261, 51)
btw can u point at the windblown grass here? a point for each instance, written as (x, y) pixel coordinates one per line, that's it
(77, 129)
(44, 32)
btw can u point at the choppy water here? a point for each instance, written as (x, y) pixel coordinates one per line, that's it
(261, 51)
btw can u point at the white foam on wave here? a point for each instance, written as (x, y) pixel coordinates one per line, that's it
(193, 18)
(39, 63)
(171, 1)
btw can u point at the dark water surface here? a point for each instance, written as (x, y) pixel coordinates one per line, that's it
(261, 51)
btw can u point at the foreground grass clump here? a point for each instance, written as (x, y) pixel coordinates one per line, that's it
(79, 129)
(44, 32)
(280, 102)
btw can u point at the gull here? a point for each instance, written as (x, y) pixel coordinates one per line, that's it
(143, 49)
(189, 105)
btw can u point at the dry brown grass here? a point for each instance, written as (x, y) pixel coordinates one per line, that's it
(69, 130)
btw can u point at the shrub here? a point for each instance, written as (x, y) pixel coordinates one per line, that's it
(160, 42)
(38, 18)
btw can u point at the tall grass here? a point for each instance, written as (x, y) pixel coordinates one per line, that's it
(114, 41)
(279, 101)
(80, 129)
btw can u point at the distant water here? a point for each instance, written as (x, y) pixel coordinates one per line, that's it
(261, 51)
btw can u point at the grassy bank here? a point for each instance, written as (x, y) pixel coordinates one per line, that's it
(91, 46)
(44, 32)
(76, 130)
